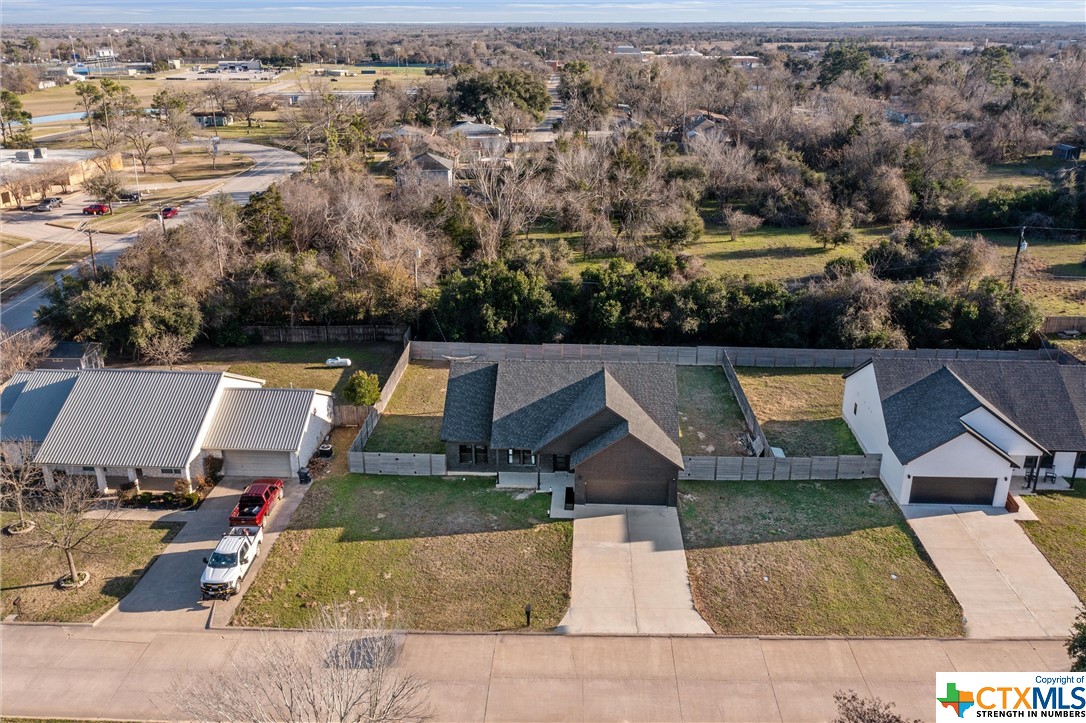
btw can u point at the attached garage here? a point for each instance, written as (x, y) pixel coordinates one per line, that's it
(953, 490)
(626, 492)
(257, 464)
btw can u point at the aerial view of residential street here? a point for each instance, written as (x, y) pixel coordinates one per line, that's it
(670, 361)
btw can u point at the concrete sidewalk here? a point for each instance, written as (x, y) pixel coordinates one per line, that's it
(81, 672)
(629, 573)
(1005, 585)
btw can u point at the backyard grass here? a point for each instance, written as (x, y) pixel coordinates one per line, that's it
(300, 365)
(709, 417)
(800, 409)
(19, 270)
(1072, 346)
(810, 558)
(412, 420)
(1060, 533)
(124, 552)
(1029, 172)
(399, 76)
(441, 554)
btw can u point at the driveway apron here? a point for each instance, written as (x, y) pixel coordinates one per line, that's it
(629, 573)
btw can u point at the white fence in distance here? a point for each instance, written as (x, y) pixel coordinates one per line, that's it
(852, 466)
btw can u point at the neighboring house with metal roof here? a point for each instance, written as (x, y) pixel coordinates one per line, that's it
(481, 137)
(614, 426)
(291, 424)
(431, 166)
(956, 431)
(73, 355)
(153, 426)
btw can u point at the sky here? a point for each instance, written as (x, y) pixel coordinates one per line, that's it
(537, 11)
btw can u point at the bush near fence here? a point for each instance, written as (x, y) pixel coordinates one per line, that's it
(853, 466)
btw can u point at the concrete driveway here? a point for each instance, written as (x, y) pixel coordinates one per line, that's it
(629, 573)
(1005, 585)
(167, 598)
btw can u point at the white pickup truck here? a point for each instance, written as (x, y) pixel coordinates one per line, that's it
(229, 563)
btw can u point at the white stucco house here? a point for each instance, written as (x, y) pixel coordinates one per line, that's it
(959, 431)
(152, 427)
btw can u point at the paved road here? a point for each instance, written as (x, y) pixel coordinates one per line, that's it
(271, 164)
(84, 672)
(629, 573)
(1005, 585)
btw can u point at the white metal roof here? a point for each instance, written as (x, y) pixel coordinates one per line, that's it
(131, 418)
(260, 420)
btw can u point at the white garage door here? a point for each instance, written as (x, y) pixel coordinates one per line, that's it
(258, 464)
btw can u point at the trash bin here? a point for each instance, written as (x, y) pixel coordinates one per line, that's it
(303, 476)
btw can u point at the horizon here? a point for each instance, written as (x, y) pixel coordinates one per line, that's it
(519, 12)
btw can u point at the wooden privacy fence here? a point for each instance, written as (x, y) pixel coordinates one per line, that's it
(758, 439)
(855, 466)
(349, 415)
(704, 355)
(393, 380)
(399, 463)
(308, 334)
(1056, 324)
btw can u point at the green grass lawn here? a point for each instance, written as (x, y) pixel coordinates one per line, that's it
(300, 365)
(9, 241)
(124, 552)
(412, 420)
(800, 409)
(709, 415)
(1027, 172)
(810, 558)
(1073, 346)
(1060, 533)
(442, 554)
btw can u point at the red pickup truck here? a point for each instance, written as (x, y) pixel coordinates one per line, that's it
(256, 503)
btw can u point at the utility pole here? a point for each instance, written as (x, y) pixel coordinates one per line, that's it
(90, 241)
(136, 172)
(1022, 245)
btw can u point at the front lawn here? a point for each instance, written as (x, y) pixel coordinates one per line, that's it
(1060, 533)
(709, 417)
(412, 420)
(810, 558)
(800, 409)
(300, 365)
(442, 554)
(21, 269)
(28, 577)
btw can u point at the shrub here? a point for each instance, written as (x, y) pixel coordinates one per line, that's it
(844, 266)
(213, 468)
(1076, 644)
(181, 487)
(363, 389)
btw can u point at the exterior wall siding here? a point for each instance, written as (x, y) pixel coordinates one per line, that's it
(627, 460)
(963, 456)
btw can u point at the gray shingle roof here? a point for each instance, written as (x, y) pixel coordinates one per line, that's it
(1047, 400)
(433, 162)
(264, 420)
(600, 443)
(129, 417)
(42, 393)
(469, 402)
(522, 404)
(12, 390)
(927, 414)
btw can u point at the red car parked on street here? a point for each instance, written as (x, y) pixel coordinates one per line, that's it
(256, 502)
(169, 212)
(97, 209)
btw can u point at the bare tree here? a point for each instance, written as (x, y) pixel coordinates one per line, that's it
(22, 350)
(143, 135)
(19, 478)
(63, 521)
(851, 708)
(739, 222)
(342, 667)
(165, 350)
(246, 103)
(106, 187)
(509, 195)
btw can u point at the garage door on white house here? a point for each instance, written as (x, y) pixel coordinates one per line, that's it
(257, 464)
(953, 490)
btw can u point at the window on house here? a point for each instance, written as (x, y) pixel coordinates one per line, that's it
(521, 456)
(89, 469)
(1080, 460)
(171, 470)
(465, 454)
(561, 463)
(482, 453)
(1046, 461)
(1030, 463)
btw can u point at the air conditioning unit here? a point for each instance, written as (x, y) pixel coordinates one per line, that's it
(22, 156)
(41, 153)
